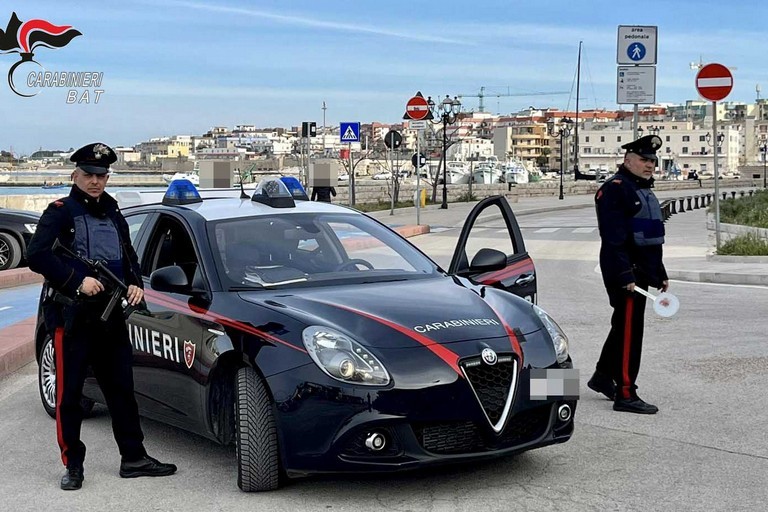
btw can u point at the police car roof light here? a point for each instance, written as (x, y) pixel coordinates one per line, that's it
(273, 192)
(295, 188)
(181, 191)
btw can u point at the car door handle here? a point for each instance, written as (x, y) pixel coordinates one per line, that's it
(525, 279)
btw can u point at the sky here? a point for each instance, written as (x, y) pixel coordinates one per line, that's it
(180, 67)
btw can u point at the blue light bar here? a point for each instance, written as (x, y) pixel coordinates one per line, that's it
(295, 188)
(181, 191)
(273, 192)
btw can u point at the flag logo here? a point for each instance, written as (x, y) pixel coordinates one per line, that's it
(25, 37)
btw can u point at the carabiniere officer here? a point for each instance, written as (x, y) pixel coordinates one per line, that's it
(89, 223)
(632, 233)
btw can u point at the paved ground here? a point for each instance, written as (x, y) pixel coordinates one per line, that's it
(687, 255)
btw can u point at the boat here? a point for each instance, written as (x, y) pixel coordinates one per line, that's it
(487, 173)
(457, 173)
(515, 172)
(191, 176)
(48, 186)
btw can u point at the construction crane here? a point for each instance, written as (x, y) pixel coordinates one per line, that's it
(482, 95)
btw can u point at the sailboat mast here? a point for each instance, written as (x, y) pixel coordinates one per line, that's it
(576, 132)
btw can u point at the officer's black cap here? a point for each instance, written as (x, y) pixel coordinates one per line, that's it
(644, 146)
(94, 158)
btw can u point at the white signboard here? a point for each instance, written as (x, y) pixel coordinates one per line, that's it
(417, 125)
(636, 84)
(637, 45)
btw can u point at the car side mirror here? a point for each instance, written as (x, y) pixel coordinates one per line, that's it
(170, 279)
(487, 260)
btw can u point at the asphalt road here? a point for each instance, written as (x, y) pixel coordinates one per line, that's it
(705, 368)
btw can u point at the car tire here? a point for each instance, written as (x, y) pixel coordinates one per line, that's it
(10, 252)
(46, 380)
(258, 460)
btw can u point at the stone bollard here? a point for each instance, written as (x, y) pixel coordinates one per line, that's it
(741, 193)
(696, 202)
(709, 199)
(750, 192)
(689, 204)
(672, 208)
(733, 194)
(682, 205)
(725, 195)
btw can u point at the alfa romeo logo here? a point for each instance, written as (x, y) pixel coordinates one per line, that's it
(489, 356)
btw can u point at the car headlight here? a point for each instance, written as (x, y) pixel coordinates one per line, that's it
(31, 227)
(559, 339)
(343, 358)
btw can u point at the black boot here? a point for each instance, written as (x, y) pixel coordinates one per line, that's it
(145, 466)
(602, 383)
(72, 479)
(635, 405)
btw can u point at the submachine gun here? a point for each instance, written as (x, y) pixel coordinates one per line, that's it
(118, 289)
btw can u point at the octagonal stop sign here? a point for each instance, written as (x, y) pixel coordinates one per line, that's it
(714, 82)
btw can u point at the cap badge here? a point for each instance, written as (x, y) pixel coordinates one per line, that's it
(100, 150)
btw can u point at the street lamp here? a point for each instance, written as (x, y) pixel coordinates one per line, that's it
(764, 149)
(562, 130)
(715, 147)
(447, 113)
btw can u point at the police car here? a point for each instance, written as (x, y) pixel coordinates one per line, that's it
(316, 339)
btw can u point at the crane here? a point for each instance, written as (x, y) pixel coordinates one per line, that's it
(481, 94)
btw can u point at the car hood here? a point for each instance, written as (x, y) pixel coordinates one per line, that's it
(440, 310)
(22, 215)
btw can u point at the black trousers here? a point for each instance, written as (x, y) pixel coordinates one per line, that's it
(620, 357)
(104, 346)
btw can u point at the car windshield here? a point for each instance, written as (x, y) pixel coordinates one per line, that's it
(296, 250)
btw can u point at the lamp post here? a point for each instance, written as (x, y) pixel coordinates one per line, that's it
(715, 146)
(764, 149)
(446, 112)
(563, 130)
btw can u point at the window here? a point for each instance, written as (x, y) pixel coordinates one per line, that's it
(685, 150)
(702, 138)
(668, 138)
(602, 138)
(134, 225)
(686, 138)
(170, 245)
(586, 139)
(618, 139)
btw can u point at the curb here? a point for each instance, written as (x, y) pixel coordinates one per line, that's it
(17, 346)
(718, 277)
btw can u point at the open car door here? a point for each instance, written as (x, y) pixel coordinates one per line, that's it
(494, 256)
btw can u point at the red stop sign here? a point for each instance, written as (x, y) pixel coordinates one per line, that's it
(714, 82)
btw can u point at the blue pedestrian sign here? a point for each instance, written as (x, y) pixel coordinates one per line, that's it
(636, 52)
(349, 132)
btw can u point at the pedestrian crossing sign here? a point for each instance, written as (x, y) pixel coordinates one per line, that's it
(349, 132)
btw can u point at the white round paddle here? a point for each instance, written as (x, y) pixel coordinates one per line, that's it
(664, 304)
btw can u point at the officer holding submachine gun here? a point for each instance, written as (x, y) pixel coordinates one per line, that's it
(82, 247)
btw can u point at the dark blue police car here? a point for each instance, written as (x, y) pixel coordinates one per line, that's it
(316, 339)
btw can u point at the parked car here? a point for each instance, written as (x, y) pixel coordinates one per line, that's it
(16, 230)
(316, 339)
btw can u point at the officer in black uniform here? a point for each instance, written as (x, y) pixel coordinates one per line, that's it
(323, 194)
(632, 232)
(89, 223)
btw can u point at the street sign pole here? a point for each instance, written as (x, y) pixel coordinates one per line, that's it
(351, 178)
(418, 177)
(717, 178)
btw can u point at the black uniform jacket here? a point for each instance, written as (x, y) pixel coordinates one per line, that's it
(622, 261)
(323, 193)
(56, 222)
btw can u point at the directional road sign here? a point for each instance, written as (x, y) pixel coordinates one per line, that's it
(636, 84)
(637, 45)
(393, 139)
(417, 108)
(349, 132)
(419, 160)
(714, 82)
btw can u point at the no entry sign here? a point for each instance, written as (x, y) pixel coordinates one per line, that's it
(714, 82)
(417, 108)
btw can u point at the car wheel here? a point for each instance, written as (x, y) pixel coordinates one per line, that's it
(258, 467)
(10, 252)
(46, 380)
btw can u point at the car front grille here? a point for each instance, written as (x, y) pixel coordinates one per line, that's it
(467, 437)
(493, 386)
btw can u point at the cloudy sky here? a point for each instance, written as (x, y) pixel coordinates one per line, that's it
(183, 66)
